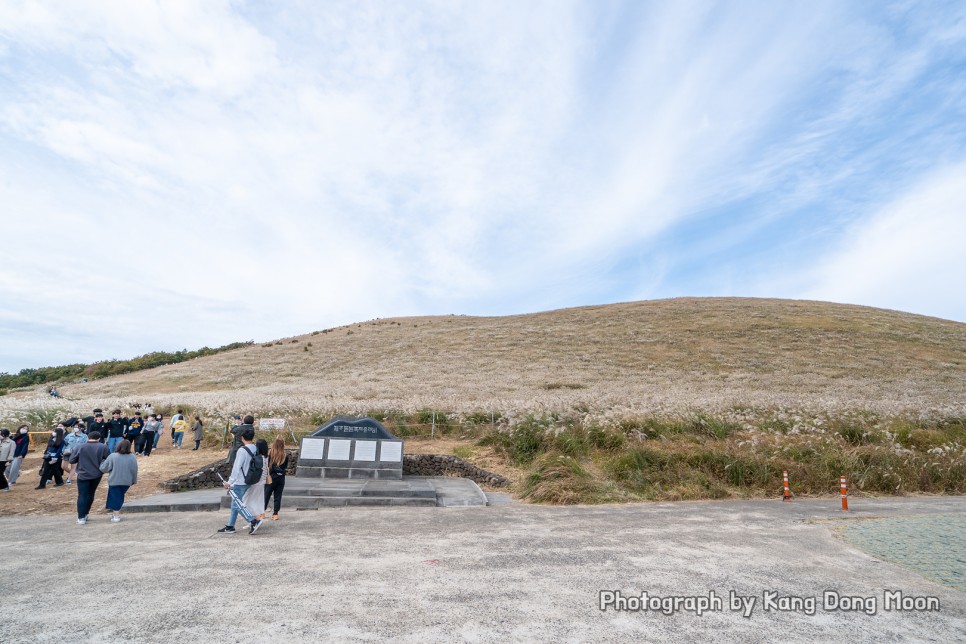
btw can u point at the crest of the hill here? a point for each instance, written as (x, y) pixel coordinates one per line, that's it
(667, 355)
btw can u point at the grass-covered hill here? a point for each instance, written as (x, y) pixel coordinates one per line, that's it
(667, 355)
(670, 399)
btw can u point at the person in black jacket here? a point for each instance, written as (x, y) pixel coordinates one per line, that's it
(53, 468)
(277, 468)
(237, 432)
(90, 419)
(117, 426)
(134, 427)
(99, 425)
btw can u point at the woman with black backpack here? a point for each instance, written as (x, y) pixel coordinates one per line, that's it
(277, 467)
(53, 456)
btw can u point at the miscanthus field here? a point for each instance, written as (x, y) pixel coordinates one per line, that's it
(670, 399)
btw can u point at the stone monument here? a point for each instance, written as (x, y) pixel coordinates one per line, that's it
(351, 448)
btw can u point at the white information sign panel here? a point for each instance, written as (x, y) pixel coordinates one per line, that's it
(339, 449)
(365, 451)
(391, 451)
(271, 423)
(313, 448)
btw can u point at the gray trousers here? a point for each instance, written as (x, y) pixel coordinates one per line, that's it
(14, 469)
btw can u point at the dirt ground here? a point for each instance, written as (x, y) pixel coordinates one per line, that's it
(166, 463)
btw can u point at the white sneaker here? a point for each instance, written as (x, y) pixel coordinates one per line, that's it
(115, 519)
(82, 521)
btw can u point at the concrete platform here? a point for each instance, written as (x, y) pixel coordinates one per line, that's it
(313, 493)
(512, 573)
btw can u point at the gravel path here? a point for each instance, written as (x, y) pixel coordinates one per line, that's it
(507, 573)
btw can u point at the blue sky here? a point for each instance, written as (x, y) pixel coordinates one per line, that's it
(182, 174)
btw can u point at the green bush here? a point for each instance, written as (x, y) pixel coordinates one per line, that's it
(572, 441)
(523, 442)
(30, 377)
(607, 440)
(563, 480)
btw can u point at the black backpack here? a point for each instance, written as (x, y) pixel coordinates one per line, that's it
(253, 473)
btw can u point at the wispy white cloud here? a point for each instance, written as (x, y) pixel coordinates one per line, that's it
(196, 173)
(908, 256)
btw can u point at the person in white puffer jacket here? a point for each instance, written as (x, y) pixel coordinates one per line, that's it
(7, 447)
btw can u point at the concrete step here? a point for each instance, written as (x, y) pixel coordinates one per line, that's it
(315, 502)
(306, 494)
(360, 493)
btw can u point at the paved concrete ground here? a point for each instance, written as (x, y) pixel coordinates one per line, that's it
(505, 573)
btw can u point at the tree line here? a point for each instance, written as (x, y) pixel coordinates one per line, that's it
(39, 376)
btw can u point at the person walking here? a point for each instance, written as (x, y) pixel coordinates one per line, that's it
(22, 443)
(122, 470)
(117, 428)
(236, 483)
(157, 434)
(177, 430)
(52, 467)
(134, 428)
(6, 455)
(277, 468)
(254, 498)
(88, 458)
(72, 441)
(199, 430)
(151, 427)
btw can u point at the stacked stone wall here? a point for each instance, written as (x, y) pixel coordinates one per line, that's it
(413, 465)
(445, 465)
(207, 476)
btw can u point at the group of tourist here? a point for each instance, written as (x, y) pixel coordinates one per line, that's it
(144, 433)
(93, 460)
(84, 456)
(87, 448)
(83, 450)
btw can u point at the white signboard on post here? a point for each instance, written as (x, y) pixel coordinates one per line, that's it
(271, 423)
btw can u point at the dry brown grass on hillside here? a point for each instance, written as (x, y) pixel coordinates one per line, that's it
(623, 359)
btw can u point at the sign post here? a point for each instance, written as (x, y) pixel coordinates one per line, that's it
(275, 424)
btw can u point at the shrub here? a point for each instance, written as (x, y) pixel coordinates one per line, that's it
(705, 425)
(572, 442)
(607, 440)
(521, 443)
(562, 480)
